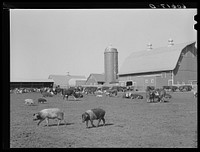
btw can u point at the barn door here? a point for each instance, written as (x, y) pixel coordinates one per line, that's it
(170, 83)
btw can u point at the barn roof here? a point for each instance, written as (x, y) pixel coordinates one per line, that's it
(98, 77)
(156, 59)
(64, 79)
(74, 80)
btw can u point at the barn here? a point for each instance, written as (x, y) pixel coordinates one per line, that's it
(67, 80)
(36, 83)
(95, 79)
(175, 64)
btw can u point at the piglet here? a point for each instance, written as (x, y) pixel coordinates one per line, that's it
(93, 114)
(29, 102)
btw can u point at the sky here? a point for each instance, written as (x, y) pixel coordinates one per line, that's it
(57, 41)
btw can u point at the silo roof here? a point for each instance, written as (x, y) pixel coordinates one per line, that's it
(157, 59)
(110, 49)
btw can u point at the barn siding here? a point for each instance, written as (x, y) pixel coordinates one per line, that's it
(186, 69)
(140, 82)
(163, 80)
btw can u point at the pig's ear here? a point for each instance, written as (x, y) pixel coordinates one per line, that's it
(83, 116)
(87, 116)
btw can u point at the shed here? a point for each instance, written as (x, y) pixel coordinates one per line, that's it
(63, 80)
(31, 83)
(95, 79)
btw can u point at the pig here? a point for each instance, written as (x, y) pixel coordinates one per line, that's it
(41, 100)
(47, 114)
(93, 114)
(29, 102)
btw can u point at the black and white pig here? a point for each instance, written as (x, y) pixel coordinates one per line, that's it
(93, 114)
(47, 114)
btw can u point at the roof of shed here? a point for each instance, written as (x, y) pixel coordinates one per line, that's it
(98, 77)
(157, 59)
(32, 80)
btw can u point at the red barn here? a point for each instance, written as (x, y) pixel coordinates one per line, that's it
(175, 64)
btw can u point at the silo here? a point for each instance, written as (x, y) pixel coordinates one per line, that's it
(110, 64)
(115, 64)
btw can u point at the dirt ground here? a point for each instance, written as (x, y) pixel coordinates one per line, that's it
(129, 123)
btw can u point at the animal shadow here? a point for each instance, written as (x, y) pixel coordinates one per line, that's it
(101, 125)
(61, 124)
(42, 102)
(32, 105)
(73, 100)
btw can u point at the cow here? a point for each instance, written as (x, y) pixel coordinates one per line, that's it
(99, 95)
(185, 88)
(69, 92)
(132, 95)
(136, 96)
(119, 88)
(90, 90)
(157, 93)
(29, 102)
(51, 113)
(47, 94)
(150, 95)
(168, 96)
(160, 94)
(93, 114)
(78, 94)
(111, 92)
(42, 100)
(127, 95)
(195, 94)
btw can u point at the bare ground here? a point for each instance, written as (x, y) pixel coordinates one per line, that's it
(129, 123)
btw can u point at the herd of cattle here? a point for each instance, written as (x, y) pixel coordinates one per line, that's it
(152, 95)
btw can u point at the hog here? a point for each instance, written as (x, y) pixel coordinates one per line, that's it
(93, 114)
(47, 114)
(29, 102)
(41, 100)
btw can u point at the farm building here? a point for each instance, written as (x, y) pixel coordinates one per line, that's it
(77, 82)
(67, 80)
(95, 79)
(40, 83)
(175, 64)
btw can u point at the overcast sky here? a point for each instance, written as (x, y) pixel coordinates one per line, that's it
(45, 42)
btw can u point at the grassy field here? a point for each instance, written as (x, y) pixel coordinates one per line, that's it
(129, 123)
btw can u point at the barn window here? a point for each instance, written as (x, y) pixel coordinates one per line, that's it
(152, 80)
(129, 83)
(146, 80)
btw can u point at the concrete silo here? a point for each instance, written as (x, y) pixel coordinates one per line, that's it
(111, 64)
